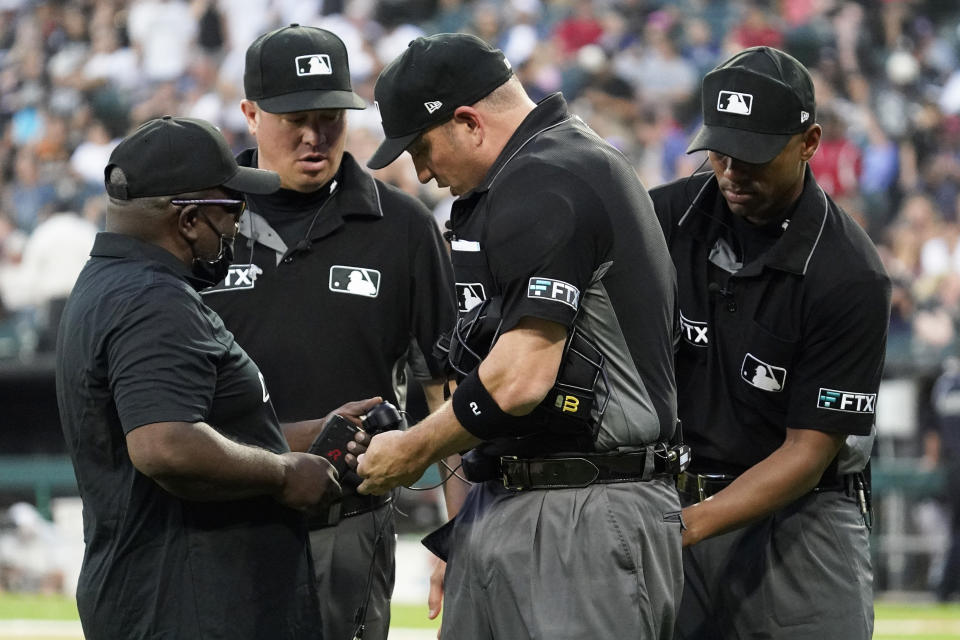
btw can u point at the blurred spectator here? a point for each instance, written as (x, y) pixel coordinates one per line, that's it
(31, 552)
(211, 33)
(485, 22)
(110, 64)
(699, 46)
(162, 31)
(91, 155)
(936, 323)
(654, 64)
(579, 29)
(52, 258)
(451, 16)
(943, 449)
(837, 163)
(878, 176)
(31, 194)
(756, 28)
(521, 35)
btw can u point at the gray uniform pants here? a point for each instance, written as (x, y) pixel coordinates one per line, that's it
(565, 564)
(801, 573)
(341, 561)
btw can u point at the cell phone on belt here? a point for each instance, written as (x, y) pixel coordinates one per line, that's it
(332, 442)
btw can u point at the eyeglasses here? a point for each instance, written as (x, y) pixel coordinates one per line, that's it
(233, 207)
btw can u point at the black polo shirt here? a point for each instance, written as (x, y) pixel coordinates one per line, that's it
(336, 316)
(793, 338)
(561, 229)
(138, 346)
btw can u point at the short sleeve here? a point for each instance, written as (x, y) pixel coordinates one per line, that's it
(162, 359)
(547, 230)
(841, 359)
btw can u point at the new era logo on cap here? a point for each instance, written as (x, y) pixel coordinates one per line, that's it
(317, 64)
(735, 102)
(426, 84)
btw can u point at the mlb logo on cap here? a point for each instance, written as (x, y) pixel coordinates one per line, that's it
(735, 102)
(755, 131)
(317, 64)
(319, 77)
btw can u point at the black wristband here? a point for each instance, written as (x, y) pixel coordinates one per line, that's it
(480, 414)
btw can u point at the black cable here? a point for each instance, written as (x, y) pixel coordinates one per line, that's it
(360, 617)
(692, 202)
(453, 472)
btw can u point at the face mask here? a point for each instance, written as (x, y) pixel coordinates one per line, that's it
(211, 272)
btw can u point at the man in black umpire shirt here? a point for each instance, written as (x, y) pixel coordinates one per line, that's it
(783, 311)
(567, 392)
(191, 496)
(339, 282)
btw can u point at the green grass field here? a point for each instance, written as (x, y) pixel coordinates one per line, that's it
(895, 621)
(35, 607)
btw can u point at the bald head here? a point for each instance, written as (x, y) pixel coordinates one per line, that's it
(509, 96)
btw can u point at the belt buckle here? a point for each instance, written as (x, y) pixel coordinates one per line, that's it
(696, 483)
(691, 483)
(701, 489)
(703, 479)
(505, 477)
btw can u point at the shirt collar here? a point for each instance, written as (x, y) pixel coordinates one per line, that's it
(354, 193)
(799, 241)
(362, 198)
(549, 112)
(793, 251)
(119, 245)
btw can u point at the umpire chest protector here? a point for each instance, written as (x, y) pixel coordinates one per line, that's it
(536, 238)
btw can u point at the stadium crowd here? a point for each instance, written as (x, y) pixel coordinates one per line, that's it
(77, 75)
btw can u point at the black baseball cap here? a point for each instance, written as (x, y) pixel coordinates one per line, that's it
(426, 84)
(168, 156)
(299, 68)
(753, 104)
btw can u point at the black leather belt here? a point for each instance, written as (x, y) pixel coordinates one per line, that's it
(351, 505)
(699, 487)
(576, 471)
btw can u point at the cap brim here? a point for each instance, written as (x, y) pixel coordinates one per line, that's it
(746, 146)
(308, 100)
(390, 149)
(255, 181)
